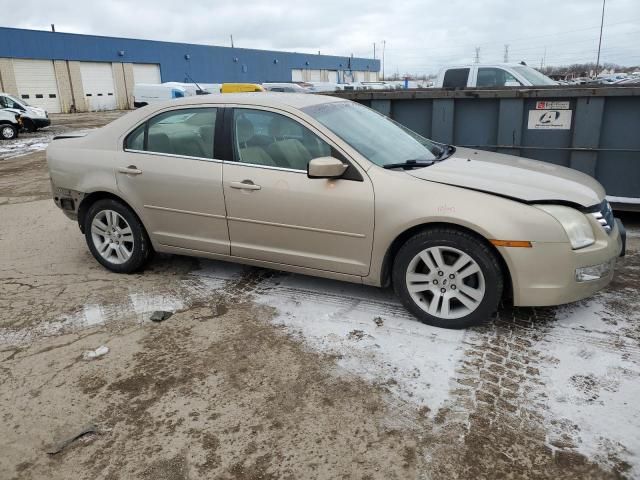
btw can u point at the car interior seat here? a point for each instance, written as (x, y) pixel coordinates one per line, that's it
(250, 154)
(159, 142)
(286, 152)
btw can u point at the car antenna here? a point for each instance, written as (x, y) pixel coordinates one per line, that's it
(193, 81)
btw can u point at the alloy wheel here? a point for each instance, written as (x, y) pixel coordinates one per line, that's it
(445, 282)
(112, 236)
(8, 133)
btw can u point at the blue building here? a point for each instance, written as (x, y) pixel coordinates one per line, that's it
(65, 72)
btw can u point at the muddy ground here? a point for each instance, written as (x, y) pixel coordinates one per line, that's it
(261, 374)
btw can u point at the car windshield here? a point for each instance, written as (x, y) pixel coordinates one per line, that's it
(376, 137)
(533, 76)
(23, 102)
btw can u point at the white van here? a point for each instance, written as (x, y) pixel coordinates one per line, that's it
(491, 75)
(33, 118)
(146, 93)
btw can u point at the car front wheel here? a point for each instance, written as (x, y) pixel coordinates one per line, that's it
(448, 278)
(8, 132)
(116, 237)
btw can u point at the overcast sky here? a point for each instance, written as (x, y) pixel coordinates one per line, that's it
(421, 36)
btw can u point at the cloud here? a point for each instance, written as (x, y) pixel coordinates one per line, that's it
(421, 36)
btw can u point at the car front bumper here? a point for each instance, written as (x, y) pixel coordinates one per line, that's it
(554, 274)
(41, 122)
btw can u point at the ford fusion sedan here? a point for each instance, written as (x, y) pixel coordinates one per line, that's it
(323, 186)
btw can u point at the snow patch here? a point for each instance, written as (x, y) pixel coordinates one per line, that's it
(371, 334)
(593, 383)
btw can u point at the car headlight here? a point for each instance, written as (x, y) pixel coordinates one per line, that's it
(575, 223)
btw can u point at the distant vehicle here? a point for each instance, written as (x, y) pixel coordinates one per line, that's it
(285, 87)
(628, 81)
(10, 124)
(241, 88)
(147, 93)
(378, 85)
(320, 87)
(491, 75)
(33, 118)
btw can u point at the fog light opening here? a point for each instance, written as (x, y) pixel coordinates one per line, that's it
(594, 272)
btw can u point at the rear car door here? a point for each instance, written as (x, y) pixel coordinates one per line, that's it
(277, 214)
(168, 173)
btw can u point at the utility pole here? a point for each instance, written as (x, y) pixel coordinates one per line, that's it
(231, 40)
(53, 27)
(374, 50)
(506, 53)
(477, 59)
(384, 46)
(600, 41)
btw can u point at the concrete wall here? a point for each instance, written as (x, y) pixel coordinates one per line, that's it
(76, 86)
(122, 95)
(8, 76)
(65, 92)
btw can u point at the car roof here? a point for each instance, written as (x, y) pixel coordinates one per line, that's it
(265, 99)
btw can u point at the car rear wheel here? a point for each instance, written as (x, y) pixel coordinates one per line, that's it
(448, 278)
(8, 132)
(116, 237)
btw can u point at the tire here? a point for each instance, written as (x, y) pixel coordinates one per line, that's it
(8, 132)
(114, 229)
(448, 278)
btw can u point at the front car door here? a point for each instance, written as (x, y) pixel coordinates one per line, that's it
(168, 173)
(277, 214)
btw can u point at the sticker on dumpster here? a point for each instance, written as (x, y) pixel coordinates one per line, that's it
(543, 105)
(549, 119)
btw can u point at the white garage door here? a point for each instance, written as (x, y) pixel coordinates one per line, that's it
(37, 84)
(332, 76)
(296, 75)
(146, 73)
(99, 89)
(315, 75)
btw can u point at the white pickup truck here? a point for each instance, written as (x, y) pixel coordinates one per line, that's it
(478, 75)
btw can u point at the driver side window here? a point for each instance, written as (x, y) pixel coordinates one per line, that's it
(271, 139)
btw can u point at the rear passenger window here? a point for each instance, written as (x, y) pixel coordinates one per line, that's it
(187, 132)
(456, 78)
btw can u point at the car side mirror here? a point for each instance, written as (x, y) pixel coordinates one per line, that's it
(325, 167)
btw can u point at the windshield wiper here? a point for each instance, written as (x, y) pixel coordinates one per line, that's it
(414, 163)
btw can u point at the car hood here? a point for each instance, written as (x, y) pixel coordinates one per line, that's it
(36, 111)
(514, 177)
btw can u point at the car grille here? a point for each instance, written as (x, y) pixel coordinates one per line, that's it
(605, 217)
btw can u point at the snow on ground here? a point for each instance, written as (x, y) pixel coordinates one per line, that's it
(31, 142)
(589, 368)
(370, 332)
(26, 143)
(592, 380)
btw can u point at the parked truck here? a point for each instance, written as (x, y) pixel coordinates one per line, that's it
(491, 75)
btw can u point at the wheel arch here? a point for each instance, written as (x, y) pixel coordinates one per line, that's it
(91, 198)
(394, 247)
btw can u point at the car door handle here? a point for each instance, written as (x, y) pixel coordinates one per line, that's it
(245, 185)
(130, 170)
